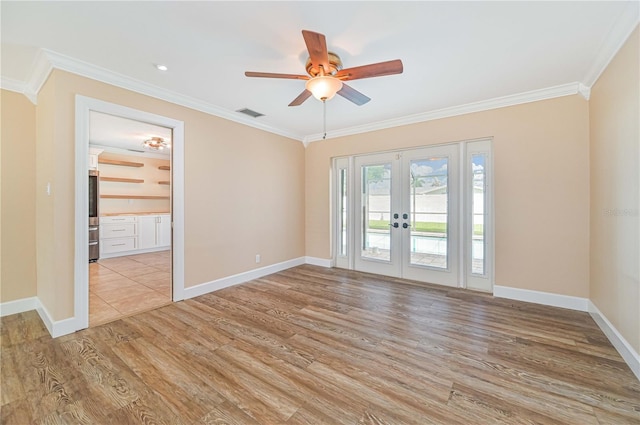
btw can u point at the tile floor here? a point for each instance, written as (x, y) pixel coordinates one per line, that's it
(123, 286)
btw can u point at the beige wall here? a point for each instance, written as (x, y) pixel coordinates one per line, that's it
(51, 252)
(615, 185)
(541, 169)
(244, 190)
(151, 175)
(18, 168)
(250, 192)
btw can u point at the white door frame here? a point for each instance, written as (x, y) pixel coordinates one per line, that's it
(393, 267)
(482, 282)
(342, 260)
(84, 105)
(449, 276)
(463, 207)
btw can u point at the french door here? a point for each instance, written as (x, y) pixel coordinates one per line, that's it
(419, 214)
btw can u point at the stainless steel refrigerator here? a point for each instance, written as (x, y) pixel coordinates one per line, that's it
(94, 218)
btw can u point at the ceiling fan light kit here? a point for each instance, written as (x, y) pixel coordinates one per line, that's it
(323, 87)
(156, 144)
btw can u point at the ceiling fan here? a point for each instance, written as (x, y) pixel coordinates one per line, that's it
(326, 76)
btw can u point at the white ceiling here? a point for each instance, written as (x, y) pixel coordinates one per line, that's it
(123, 135)
(454, 53)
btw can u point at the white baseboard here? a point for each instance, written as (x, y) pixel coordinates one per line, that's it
(18, 306)
(56, 328)
(544, 298)
(315, 261)
(66, 326)
(630, 356)
(225, 282)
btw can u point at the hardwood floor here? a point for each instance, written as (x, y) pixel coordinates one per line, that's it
(321, 346)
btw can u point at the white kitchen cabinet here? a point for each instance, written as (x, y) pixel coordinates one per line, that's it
(164, 230)
(117, 245)
(120, 230)
(147, 231)
(154, 231)
(134, 234)
(118, 235)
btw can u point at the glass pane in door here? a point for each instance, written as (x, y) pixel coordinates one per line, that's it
(376, 212)
(478, 208)
(342, 215)
(429, 206)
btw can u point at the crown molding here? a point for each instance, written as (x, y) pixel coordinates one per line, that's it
(484, 105)
(613, 42)
(12, 85)
(584, 91)
(40, 71)
(47, 60)
(74, 66)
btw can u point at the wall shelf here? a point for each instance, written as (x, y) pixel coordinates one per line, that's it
(121, 163)
(164, 167)
(164, 182)
(133, 197)
(120, 179)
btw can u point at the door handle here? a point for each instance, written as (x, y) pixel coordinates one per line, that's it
(394, 225)
(405, 225)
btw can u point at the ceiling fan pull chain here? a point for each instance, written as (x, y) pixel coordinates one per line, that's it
(324, 113)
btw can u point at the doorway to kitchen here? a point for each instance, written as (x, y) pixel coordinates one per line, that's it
(130, 258)
(137, 158)
(423, 214)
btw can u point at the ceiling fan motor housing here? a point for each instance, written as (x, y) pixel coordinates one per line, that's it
(335, 65)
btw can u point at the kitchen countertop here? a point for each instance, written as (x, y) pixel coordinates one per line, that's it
(138, 213)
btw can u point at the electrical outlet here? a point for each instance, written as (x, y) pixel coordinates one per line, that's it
(257, 258)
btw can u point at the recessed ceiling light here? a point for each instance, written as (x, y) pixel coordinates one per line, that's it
(162, 67)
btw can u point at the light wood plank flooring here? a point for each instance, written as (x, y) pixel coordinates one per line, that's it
(122, 286)
(321, 346)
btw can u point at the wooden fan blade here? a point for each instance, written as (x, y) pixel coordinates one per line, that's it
(317, 47)
(301, 98)
(353, 95)
(373, 70)
(273, 75)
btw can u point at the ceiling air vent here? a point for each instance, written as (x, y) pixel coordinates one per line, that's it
(251, 113)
